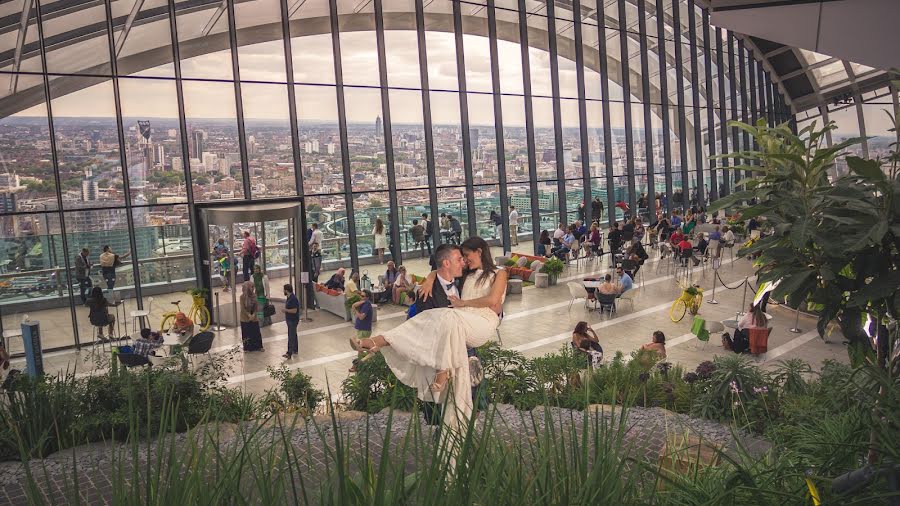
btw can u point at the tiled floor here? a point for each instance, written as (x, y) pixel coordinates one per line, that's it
(537, 322)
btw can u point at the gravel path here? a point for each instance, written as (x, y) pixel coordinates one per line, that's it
(646, 430)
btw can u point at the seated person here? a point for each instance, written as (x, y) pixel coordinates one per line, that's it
(585, 340)
(351, 286)
(754, 318)
(580, 230)
(98, 315)
(702, 244)
(336, 282)
(614, 237)
(559, 233)
(183, 325)
(676, 237)
(658, 345)
(147, 343)
(566, 244)
(401, 285)
(637, 254)
(608, 287)
(728, 237)
(544, 244)
(625, 281)
(596, 240)
(686, 246)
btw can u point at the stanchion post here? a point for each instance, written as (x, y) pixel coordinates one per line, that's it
(219, 327)
(712, 299)
(304, 303)
(744, 300)
(796, 329)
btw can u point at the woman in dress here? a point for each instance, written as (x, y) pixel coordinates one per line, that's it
(401, 285)
(429, 351)
(250, 334)
(380, 239)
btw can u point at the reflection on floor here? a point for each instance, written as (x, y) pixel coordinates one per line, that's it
(536, 322)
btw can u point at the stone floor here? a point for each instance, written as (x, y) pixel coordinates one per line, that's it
(536, 322)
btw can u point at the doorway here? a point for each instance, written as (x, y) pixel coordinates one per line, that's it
(277, 229)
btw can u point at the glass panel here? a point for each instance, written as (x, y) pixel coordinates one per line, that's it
(574, 199)
(544, 140)
(847, 123)
(215, 161)
(270, 158)
(313, 54)
(441, 51)
(548, 205)
(402, 58)
(476, 47)
(319, 139)
(131, 45)
(329, 213)
(408, 129)
(515, 143)
(204, 32)
(359, 51)
(27, 181)
(568, 78)
(487, 199)
(412, 204)
(539, 57)
(519, 195)
(452, 203)
(74, 54)
(596, 144)
(90, 170)
(447, 136)
(367, 208)
(482, 138)
(165, 249)
(152, 141)
(33, 278)
(260, 61)
(878, 126)
(571, 135)
(366, 138)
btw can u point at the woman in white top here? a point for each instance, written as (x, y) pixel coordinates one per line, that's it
(429, 350)
(380, 239)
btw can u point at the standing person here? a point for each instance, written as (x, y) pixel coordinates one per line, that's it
(597, 210)
(362, 312)
(250, 334)
(582, 212)
(220, 254)
(83, 273)
(497, 223)
(429, 231)
(315, 240)
(455, 229)
(261, 287)
(108, 263)
(292, 319)
(249, 252)
(380, 239)
(514, 225)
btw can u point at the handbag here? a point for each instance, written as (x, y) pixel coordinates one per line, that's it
(268, 310)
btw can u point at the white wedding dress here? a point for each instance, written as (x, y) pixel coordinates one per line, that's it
(435, 340)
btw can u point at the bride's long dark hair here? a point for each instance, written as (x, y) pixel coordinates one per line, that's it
(487, 261)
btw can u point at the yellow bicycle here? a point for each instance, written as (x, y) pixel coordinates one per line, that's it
(198, 313)
(691, 297)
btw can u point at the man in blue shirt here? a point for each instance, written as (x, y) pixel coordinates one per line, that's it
(625, 281)
(292, 318)
(362, 311)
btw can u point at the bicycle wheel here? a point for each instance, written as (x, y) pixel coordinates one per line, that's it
(202, 318)
(676, 313)
(167, 322)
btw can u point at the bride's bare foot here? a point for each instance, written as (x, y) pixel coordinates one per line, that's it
(440, 381)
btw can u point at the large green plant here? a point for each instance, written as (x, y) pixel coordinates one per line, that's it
(835, 242)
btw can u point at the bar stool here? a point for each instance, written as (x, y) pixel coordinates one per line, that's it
(138, 315)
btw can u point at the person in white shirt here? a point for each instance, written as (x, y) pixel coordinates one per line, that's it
(560, 232)
(728, 236)
(315, 241)
(514, 225)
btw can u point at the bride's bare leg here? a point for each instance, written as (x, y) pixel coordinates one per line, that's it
(440, 380)
(371, 344)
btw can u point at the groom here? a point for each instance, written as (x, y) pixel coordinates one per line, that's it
(450, 264)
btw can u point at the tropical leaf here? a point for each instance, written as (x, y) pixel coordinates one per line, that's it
(870, 169)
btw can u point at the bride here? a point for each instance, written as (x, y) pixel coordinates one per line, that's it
(428, 352)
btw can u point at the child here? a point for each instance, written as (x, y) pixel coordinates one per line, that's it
(362, 311)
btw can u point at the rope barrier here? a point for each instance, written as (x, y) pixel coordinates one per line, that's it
(724, 284)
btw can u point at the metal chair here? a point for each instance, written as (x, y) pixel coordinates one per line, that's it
(200, 344)
(577, 291)
(138, 315)
(130, 360)
(628, 297)
(606, 302)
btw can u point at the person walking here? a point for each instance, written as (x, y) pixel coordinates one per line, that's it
(221, 256)
(83, 273)
(250, 334)
(380, 239)
(429, 231)
(292, 319)
(514, 225)
(249, 253)
(108, 263)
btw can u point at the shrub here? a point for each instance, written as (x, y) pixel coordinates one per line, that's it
(297, 389)
(375, 387)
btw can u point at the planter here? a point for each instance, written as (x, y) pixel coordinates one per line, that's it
(541, 280)
(551, 279)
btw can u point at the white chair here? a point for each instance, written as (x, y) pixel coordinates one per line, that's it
(139, 314)
(577, 291)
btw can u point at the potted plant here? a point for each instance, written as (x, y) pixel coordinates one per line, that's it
(552, 268)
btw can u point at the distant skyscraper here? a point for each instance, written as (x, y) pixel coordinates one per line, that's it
(379, 128)
(199, 138)
(160, 154)
(90, 190)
